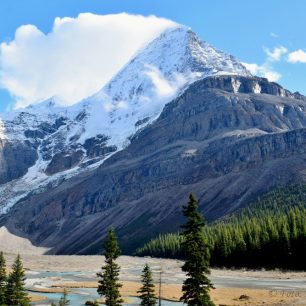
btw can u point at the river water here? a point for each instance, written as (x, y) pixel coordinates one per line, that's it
(79, 296)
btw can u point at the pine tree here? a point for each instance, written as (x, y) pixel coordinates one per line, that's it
(2, 280)
(16, 294)
(64, 299)
(109, 277)
(147, 292)
(196, 250)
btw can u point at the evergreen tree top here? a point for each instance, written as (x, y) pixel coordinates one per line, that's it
(197, 285)
(111, 247)
(109, 284)
(17, 270)
(195, 219)
(16, 293)
(147, 291)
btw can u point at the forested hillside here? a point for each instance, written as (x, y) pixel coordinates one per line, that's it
(269, 233)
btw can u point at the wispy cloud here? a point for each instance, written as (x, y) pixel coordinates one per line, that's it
(274, 35)
(264, 71)
(86, 50)
(275, 54)
(165, 88)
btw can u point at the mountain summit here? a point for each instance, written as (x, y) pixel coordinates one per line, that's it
(62, 141)
(181, 116)
(169, 62)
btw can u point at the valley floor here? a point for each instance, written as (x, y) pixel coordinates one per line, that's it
(48, 275)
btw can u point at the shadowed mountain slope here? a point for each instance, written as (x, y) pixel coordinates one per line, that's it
(228, 139)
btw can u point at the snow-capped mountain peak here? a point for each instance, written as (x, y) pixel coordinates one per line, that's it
(157, 74)
(62, 141)
(176, 57)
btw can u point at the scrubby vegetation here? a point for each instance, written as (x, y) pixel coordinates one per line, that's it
(269, 233)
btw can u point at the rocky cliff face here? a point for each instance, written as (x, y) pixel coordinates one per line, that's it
(181, 116)
(61, 142)
(228, 139)
(15, 159)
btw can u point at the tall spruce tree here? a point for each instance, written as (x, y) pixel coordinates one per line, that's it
(147, 292)
(196, 252)
(3, 280)
(109, 277)
(16, 294)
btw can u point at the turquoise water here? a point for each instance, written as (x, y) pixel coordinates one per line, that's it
(76, 297)
(79, 297)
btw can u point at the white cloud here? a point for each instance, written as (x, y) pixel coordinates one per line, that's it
(274, 35)
(298, 56)
(264, 71)
(163, 88)
(109, 106)
(275, 54)
(76, 58)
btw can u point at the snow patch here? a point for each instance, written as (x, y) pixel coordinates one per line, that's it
(236, 85)
(138, 93)
(280, 108)
(2, 130)
(190, 153)
(257, 89)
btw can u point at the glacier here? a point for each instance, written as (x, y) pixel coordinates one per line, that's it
(131, 100)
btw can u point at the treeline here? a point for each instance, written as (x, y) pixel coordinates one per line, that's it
(270, 233)
(195, 290)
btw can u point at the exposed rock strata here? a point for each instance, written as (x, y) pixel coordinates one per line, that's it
(226, 145)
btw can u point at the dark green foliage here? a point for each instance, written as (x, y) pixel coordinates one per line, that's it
(165, 245)
(92, 303)
(2, 279)
(64, 299)
(147, 292)
(109, 277)
(270, 233)
(16, 294)
(196, 253)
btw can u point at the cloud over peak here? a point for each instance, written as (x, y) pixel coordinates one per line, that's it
(87, 50)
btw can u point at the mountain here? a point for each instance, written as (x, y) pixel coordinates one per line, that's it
(43, 144)
(181, 116)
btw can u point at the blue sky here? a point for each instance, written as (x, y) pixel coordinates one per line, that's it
(250, 30)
